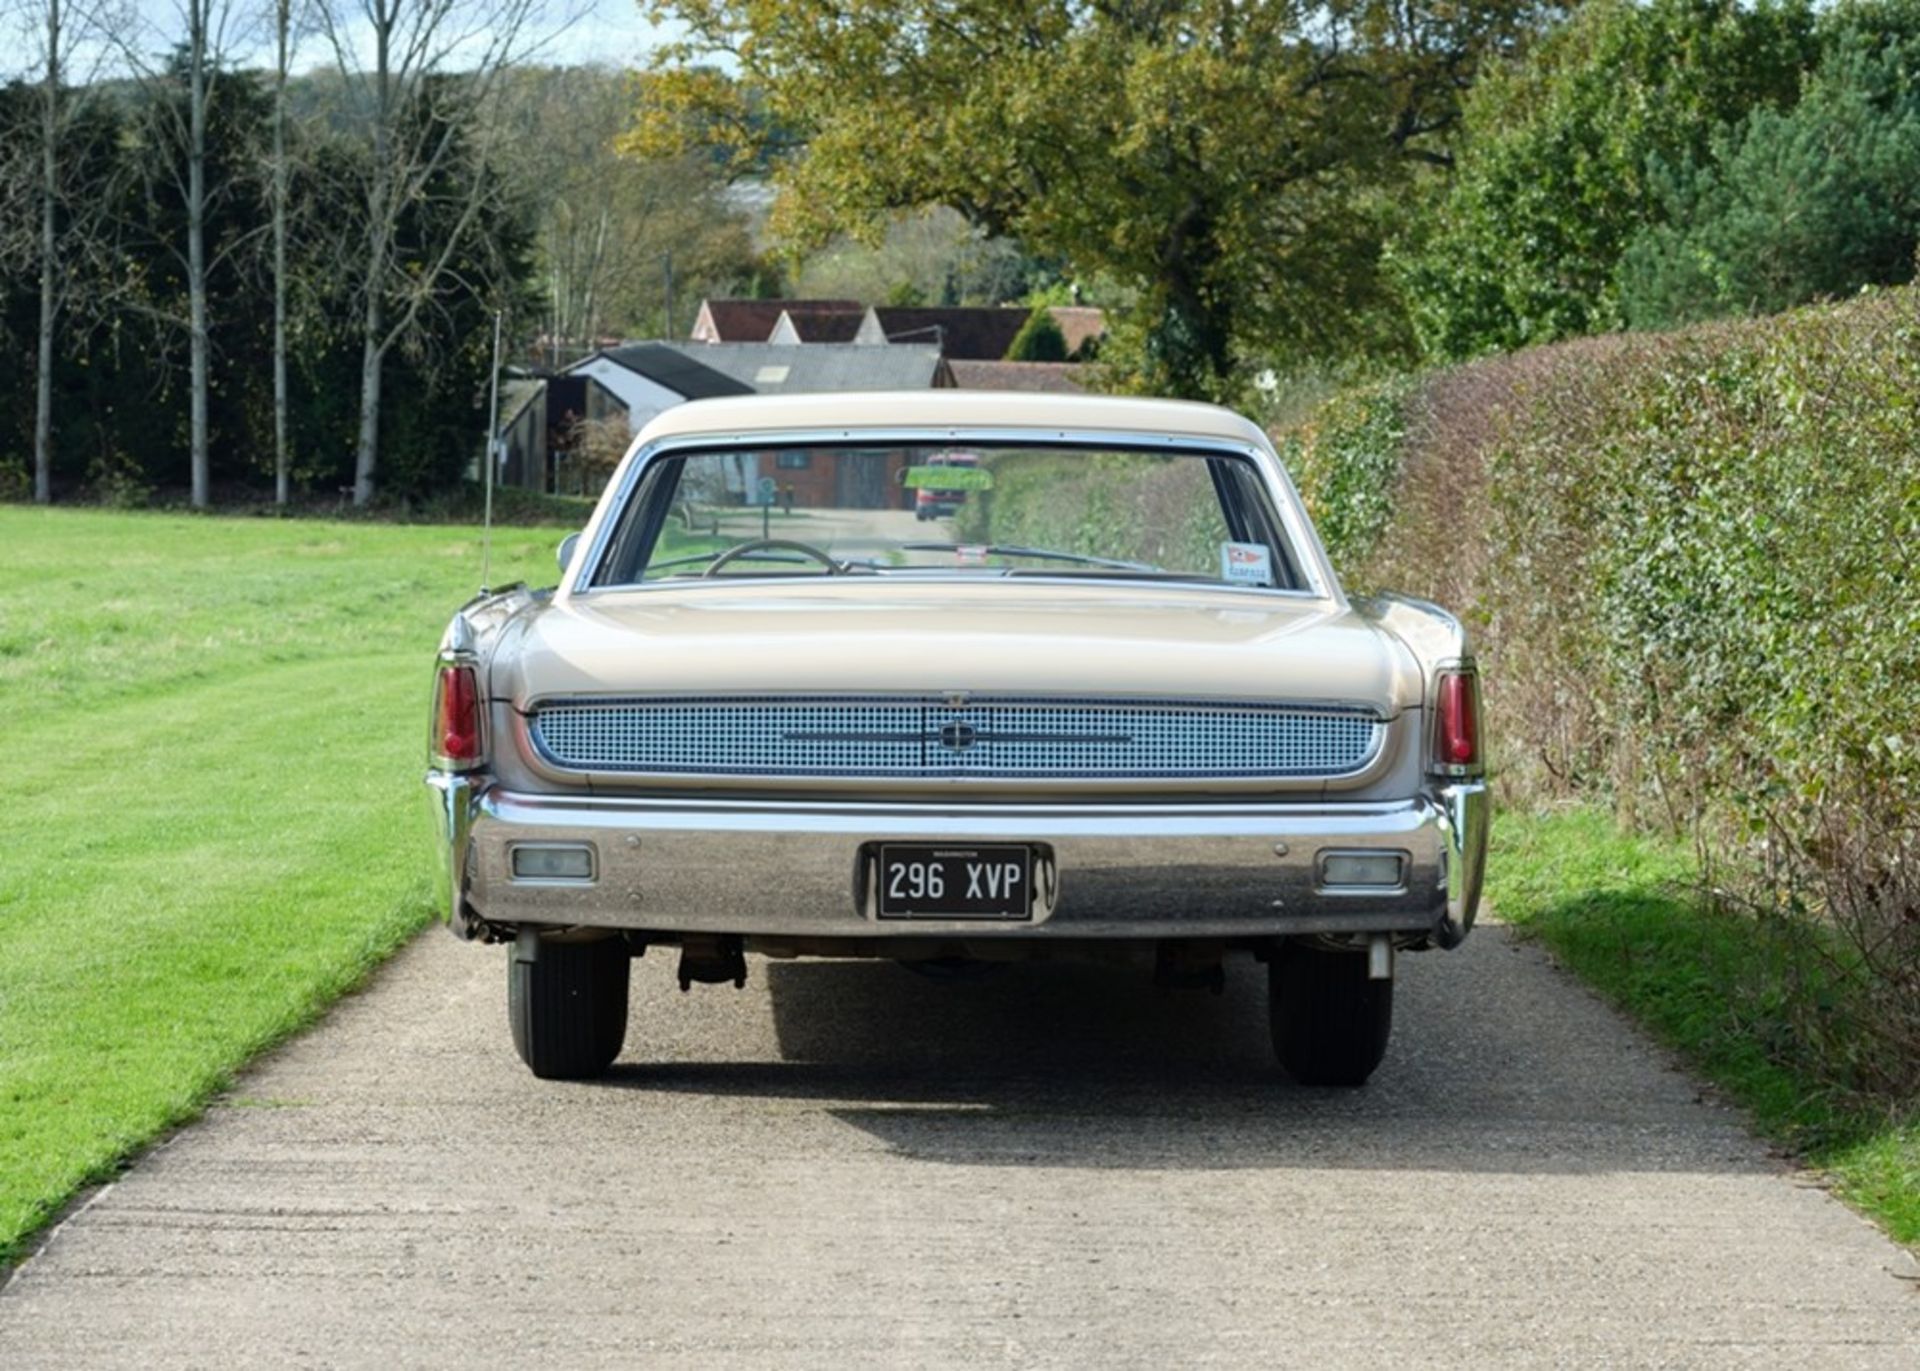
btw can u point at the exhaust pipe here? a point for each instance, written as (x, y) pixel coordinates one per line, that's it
(712, 961)
(1380, 957)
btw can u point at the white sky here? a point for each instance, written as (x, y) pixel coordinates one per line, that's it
(611, 33)
(607, 32)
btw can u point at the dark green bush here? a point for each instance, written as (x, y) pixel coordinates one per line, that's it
(1790, 205)
(1694, 565)
(1552, 181)
(1039, 339)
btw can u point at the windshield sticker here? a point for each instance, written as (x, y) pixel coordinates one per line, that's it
(1247, 564)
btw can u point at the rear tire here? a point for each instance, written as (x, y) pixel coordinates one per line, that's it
(1330, 1022)
(567, 1006)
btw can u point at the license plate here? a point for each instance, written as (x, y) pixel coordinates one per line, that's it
(918, 881)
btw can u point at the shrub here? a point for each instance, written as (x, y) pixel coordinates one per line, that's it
(1039, 339)
(1344, 460)
(1693, 562)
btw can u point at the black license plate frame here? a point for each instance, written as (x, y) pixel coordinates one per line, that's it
(976, 883)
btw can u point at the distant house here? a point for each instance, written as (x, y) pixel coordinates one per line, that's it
(803, 368)
(753, 321)
(520, 443)
(817, 324)
(576, 399)
(1058, 378)
(638, 381)
(1079, 324)
(646, 378)
(574, 406)
(975, 334)
(971, 333)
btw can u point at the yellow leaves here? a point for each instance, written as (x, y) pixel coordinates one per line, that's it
(684, 109)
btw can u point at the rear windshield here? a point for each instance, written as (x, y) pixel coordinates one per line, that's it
(950, 510)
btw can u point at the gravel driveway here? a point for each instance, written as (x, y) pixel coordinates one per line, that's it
(846, 1165)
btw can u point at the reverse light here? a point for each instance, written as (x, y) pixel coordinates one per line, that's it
(457, 742)
(552, 862)
(1456, 722)
(1363, 870)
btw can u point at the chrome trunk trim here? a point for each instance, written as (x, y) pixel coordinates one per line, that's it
(939, 737)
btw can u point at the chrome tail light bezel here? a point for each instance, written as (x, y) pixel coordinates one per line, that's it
(456, 665)
(1451, 679)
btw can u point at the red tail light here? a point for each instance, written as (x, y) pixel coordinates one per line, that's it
(456, 717)
(1456, 724)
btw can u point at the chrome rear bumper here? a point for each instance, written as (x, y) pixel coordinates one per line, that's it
(799, 870)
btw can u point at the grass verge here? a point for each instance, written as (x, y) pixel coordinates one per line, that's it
(213, 741)
(1618, 911)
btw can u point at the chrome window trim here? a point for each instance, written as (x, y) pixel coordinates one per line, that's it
(1305, 548)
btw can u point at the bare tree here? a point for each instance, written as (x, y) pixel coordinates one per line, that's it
(60, 38)
(607, 223)
(205, 33)
(395, 58)
(286, 15)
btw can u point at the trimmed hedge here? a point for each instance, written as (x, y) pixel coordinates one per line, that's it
(1693, 562)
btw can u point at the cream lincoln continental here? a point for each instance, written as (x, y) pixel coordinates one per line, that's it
(1107, 698)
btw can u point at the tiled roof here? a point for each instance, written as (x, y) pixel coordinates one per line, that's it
(750, 321)
(979, 334)
(799, 368)
(1078, 323)
(821, 323)
(1060, 378)
(675, 370)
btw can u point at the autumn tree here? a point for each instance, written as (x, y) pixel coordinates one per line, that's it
(934, 254)
(1221, 158)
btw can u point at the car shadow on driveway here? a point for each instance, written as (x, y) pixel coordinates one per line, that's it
(1499, 1063)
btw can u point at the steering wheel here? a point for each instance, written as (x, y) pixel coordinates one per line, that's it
(739, 550)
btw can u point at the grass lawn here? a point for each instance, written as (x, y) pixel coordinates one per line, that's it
(1615, 909)
(213, 734)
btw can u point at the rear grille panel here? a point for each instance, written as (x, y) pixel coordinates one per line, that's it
(910, 737)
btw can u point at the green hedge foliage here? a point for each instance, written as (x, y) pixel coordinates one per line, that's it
(1693, 562)
(1345, 457)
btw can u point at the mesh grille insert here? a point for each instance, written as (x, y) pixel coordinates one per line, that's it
(826, 736)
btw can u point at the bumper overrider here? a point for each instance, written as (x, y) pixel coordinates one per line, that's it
(804, 870)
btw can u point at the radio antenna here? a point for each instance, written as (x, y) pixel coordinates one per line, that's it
(492, 456)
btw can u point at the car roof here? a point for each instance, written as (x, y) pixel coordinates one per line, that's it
(949, 410)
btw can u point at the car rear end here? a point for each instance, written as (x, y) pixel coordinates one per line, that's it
(940, 767)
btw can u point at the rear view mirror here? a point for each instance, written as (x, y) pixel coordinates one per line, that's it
(567, 545)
